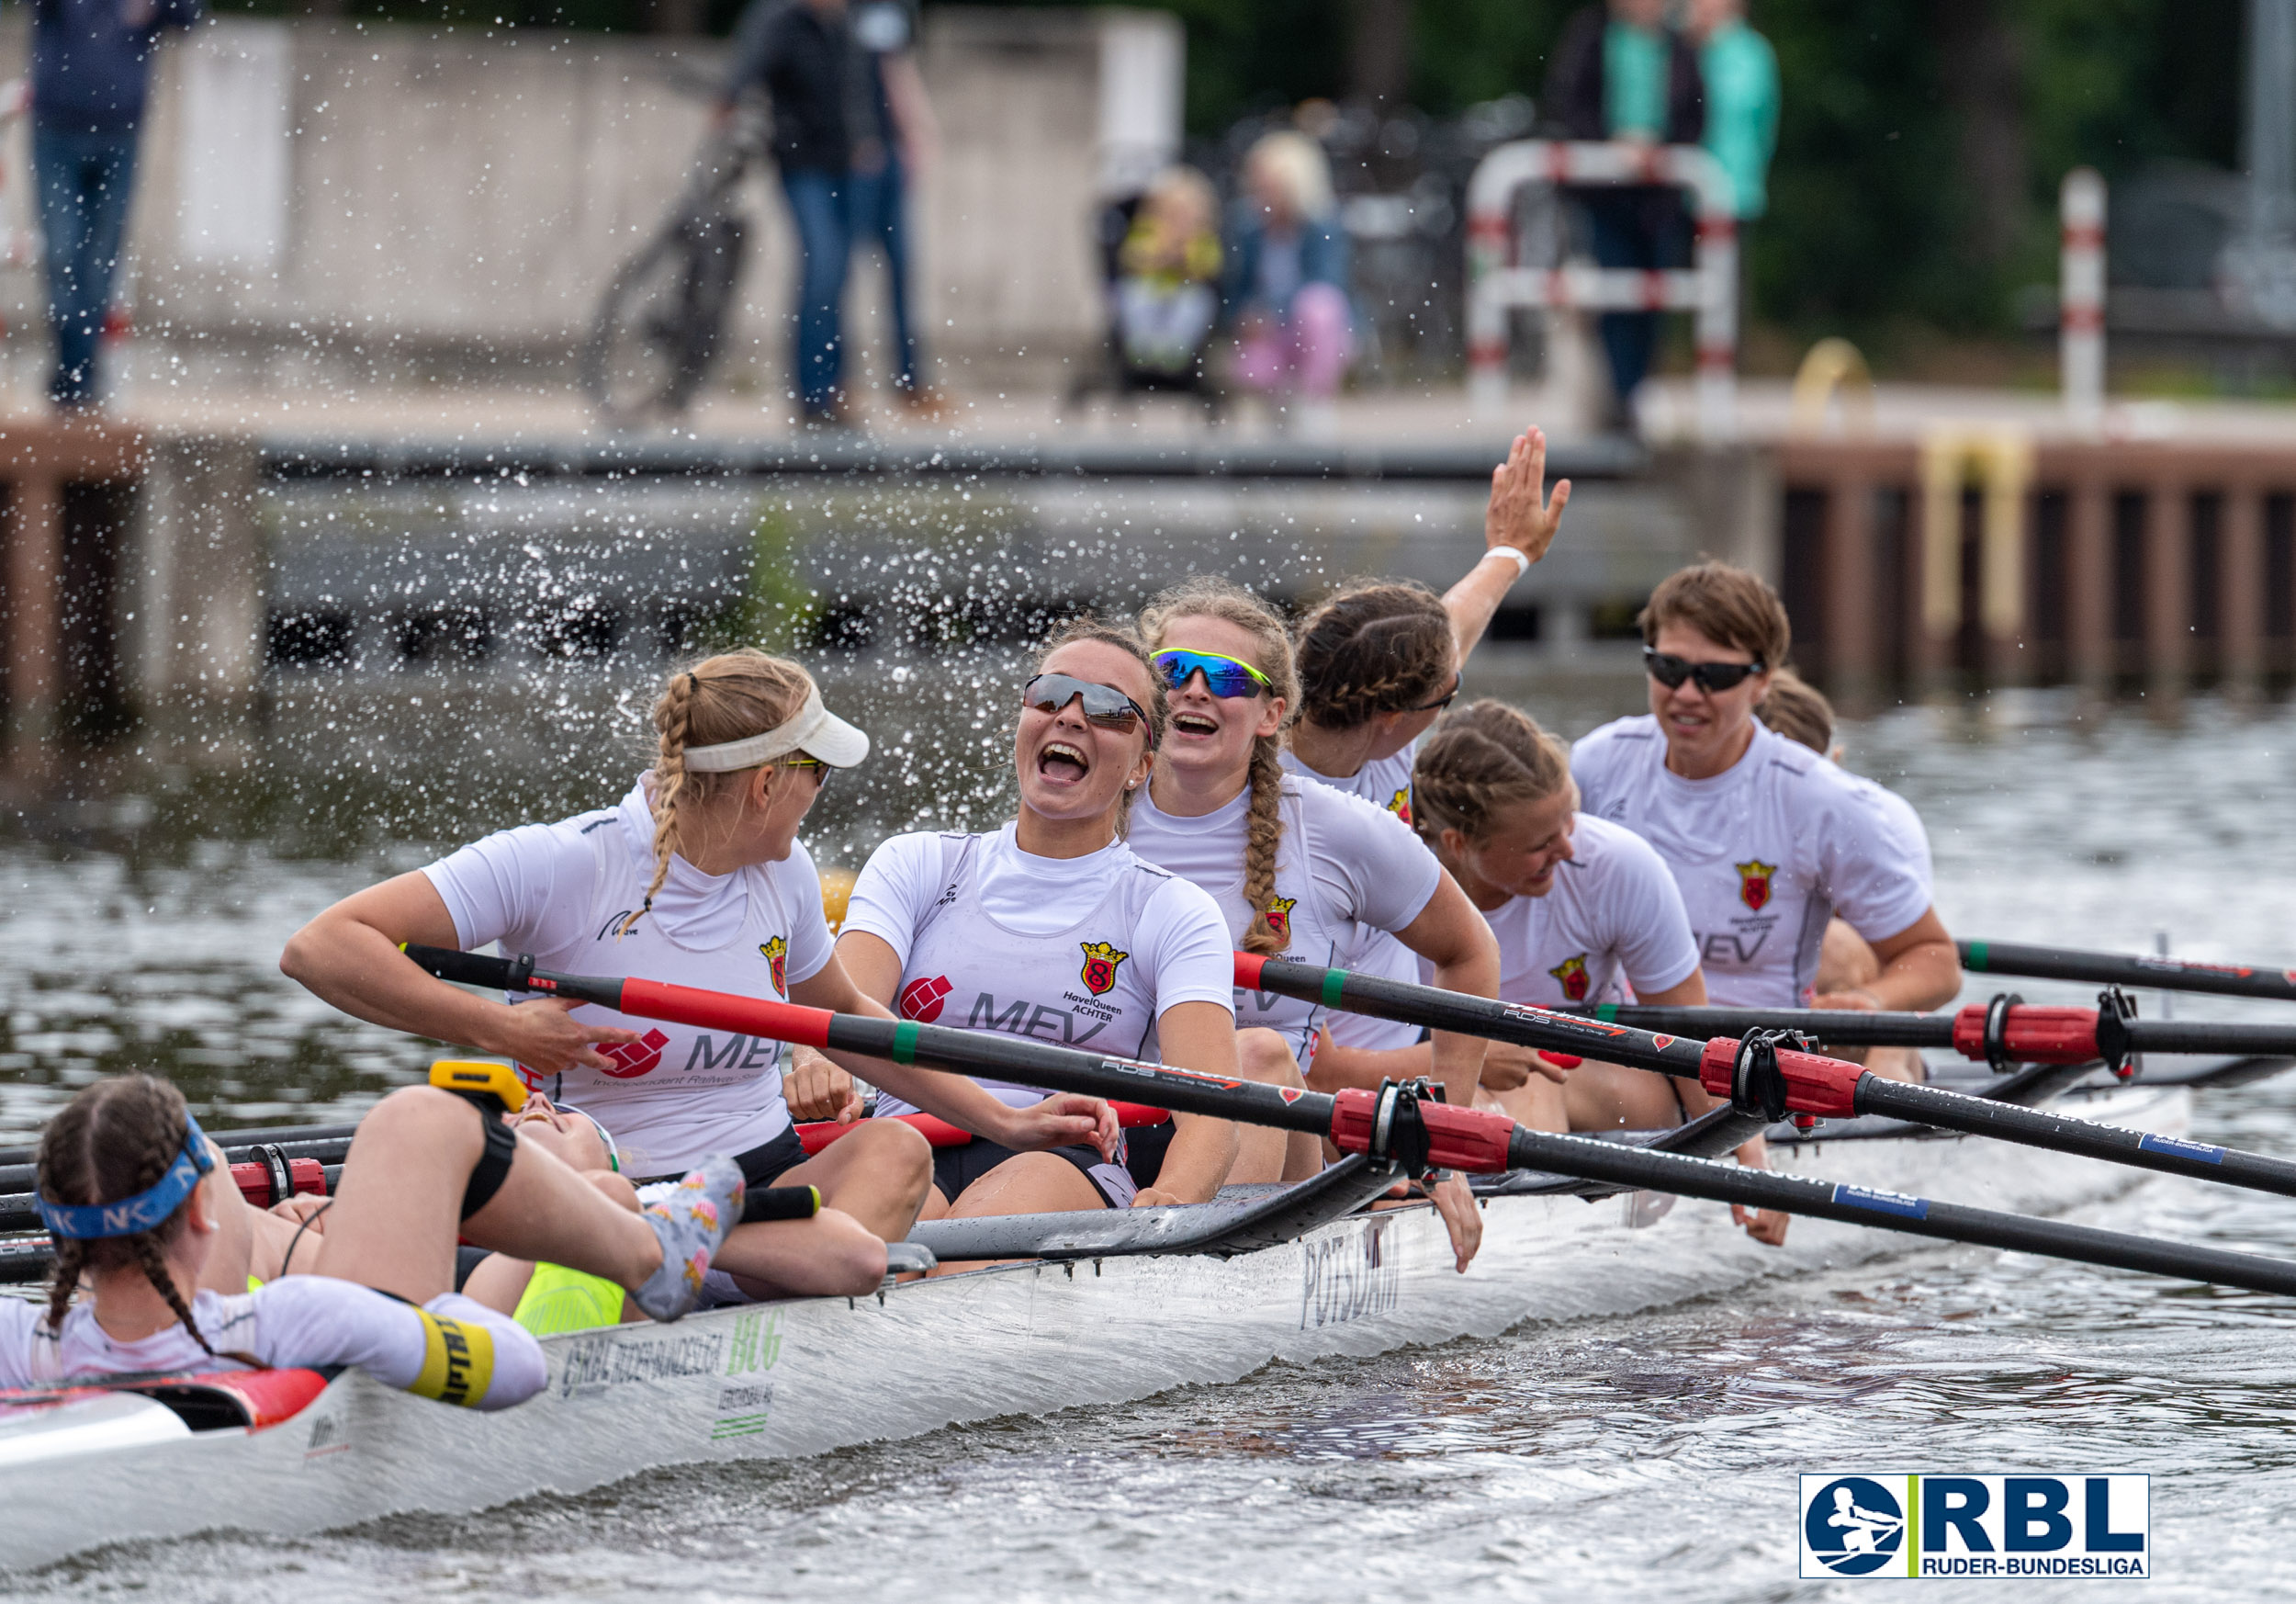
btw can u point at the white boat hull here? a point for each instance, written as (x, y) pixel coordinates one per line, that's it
(796, 1378)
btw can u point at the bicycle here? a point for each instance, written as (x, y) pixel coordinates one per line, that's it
(662, 322)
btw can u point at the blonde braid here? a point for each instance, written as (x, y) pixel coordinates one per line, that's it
(669, 783)
(1264, 833)
(1484, 757)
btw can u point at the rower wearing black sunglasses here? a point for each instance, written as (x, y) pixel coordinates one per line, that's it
(1766, 839)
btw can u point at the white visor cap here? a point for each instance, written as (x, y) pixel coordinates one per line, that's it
(814, 730)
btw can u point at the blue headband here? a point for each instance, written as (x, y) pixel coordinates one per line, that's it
(147, 1210)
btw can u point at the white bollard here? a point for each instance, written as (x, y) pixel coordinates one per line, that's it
(2081, 296)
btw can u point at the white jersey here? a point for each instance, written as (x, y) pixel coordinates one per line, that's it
(1612, 919)
(1344, 869)
(1387, 781)
(451, 1349)
(562, 891)
(1081, 951)
(1764, 852)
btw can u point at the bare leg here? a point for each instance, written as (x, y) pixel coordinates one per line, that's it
(1265, 1154)
(1611, 1097)
(1538, 1103)
(832, 1255)
(398, 1205)
(877, 1173)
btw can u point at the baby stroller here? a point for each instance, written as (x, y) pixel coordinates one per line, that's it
(1120, 369)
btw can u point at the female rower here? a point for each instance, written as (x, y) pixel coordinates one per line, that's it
(697, 875)
(134, 1196)
(1378, 663)
(1766, 839)
(1051, 928)
(1298, 869)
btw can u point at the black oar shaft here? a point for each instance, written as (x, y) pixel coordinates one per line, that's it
(1848, 1028)
(1643, 1168)
(2125, 969)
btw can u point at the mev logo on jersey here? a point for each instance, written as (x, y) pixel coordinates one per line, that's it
(921, 997)
(1101, 962)
(776, 953)
(1905, 1526)
(632, 1059)
(1573, 975)
(1753, 884)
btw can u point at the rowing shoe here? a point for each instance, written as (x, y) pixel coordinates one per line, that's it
(1764, 1071)
(1402, 1125)
(2157, 974)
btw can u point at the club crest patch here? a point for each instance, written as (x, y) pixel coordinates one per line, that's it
(1100, 965)
(1280, 916)
(776, 956)
(1571, 974)
(1753, 884)
(1400, 804)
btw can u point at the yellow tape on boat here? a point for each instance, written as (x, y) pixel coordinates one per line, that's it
(457, 1360)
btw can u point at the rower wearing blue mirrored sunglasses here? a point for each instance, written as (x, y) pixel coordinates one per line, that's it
(1225, 677)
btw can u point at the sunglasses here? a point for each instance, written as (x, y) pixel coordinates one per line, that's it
(1445, 700)
(1225, 677)
(1104, 705)
(820, 770)
(1671, 671)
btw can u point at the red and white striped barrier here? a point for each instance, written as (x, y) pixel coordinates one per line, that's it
(1495, 283)
(2081, 295)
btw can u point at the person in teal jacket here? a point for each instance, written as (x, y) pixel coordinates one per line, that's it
(1740, 72)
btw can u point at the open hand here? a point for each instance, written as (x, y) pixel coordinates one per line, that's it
(1064, 1118)
(1462, 1216)
(1764, 1225)
(1520, 514)
(542, 1037)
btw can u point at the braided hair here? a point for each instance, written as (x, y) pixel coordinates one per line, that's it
(1482, 758)
(115, 1139)
(1207, 597)
(1372, 647)
(730, 696)
(1798, 710)
(1085, 626)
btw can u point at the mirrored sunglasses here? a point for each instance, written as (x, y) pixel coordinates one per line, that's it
(1104, 704)
(1225, 677)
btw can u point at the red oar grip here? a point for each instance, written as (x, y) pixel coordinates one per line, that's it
(1458, 1138)
(1247, 970)
(1814, 1085)
(2030, 1036)
(752, 1016)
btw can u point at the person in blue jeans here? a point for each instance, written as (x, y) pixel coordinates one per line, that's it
(91, 70)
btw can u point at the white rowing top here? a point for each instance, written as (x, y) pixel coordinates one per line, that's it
(1345, 870)
(561, 892)
(300, 1320)
(1614, 914)
(1386, 781)
(1086, 952)
(1764, 852)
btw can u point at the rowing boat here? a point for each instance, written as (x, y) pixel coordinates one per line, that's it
(1091, 1320)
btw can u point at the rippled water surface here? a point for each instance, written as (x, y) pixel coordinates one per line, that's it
(1652, 1458)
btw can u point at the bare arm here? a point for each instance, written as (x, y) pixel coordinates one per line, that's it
(862, 977)
(912, 113)
(1920, 970)
(1453, 936)
(1199, 1036)
(349, 957)
(1520, 518)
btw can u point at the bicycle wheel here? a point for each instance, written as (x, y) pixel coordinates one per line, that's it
(640, 363)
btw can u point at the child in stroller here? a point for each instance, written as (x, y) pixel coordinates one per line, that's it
(1160, 253)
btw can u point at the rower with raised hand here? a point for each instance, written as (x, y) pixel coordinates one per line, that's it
(1801, 712)
(1296, 868)
(1380, 661)
(1051, 928)
(698, 877)
(1766, 839)
(136, 1197)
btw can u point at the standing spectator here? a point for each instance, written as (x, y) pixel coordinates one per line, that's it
(895, 136)
(1740, 72)
(91, 68)
(1287, 285)
(1619, 73)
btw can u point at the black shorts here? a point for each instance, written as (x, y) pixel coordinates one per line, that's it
(762, 1165)
(954, 1169)
(1144, 1147)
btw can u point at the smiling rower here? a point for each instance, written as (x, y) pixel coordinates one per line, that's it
(1765, 837)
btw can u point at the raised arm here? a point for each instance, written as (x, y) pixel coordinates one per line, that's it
(1521, 517)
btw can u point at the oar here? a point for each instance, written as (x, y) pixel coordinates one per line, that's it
(2121, 969)
(1755, 1073)
(2003, 1031)
(1394, 1123)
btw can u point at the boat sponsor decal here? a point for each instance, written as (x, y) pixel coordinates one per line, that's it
(1101, 962)
(757, 1341)
(2178, 1148)
(1349, 1275)
(328, 1436)
(610, 1359)
(1753, 882)
(742, 1408)
(1883, 1203)
(776, 956)
(1891, 1524)
(1571, 976)
(631, 1059)
(922, 998)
